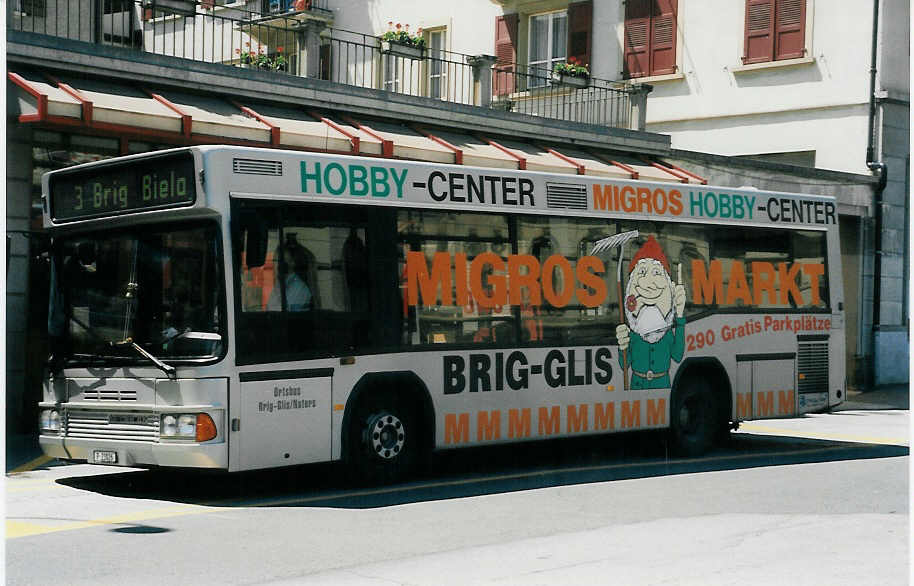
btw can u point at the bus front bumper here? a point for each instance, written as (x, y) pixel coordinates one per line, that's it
(136, 454)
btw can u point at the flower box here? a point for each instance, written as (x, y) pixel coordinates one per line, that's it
(401, 50)
(570, 80)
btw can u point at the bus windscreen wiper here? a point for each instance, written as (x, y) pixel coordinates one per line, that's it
(169, 370)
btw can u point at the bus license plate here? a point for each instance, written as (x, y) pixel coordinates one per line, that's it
(104, 457)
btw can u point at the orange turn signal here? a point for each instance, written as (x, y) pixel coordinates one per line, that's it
(206, 429)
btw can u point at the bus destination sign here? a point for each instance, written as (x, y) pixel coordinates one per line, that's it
(157, 182)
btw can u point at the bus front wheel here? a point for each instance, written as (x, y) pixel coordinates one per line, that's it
(384, 440)
(693, 414)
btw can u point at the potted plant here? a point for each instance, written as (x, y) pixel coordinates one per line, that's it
(572, 73)
(279, 62)
(259, 59)
(398, 41)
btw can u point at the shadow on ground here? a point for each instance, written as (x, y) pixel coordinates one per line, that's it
(473, 472)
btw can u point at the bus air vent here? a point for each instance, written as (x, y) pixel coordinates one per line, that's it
(812, 367)
(257, 167)
(109, 395)
(566, 196)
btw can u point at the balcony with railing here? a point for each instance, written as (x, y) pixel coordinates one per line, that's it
(295, 38)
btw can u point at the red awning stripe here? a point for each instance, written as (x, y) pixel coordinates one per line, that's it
(581, 169)
(275, 131)
(699, 178)
(521, 161)
(187, 121)
(87, 106)
(387, 145)
(682, 178)
(32, 91)
(634, 173)
(458, 152)
(354, 140)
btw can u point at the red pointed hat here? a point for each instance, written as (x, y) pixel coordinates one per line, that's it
(650, 249)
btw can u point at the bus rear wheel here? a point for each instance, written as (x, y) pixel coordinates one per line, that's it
(384, 440)
(693, 414)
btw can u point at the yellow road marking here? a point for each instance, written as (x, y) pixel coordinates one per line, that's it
(780, 431)
(28, 466)
(15, 529)
(27, 485)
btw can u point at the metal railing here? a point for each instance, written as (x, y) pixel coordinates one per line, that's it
(292, 37)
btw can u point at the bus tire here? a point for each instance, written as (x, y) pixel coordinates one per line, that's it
(384, 439)
(694, 419)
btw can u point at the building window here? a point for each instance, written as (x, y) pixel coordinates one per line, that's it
(552, 37)
(650, 38)
(775, 30)
(34, 8)
(548, 45)
(437, 64)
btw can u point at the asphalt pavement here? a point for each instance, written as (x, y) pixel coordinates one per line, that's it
(23, 452)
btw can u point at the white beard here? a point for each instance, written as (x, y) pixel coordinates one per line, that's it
(650, 324)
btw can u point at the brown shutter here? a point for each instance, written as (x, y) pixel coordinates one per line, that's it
(663, 37)
(759, 41)
(580, 24)
(790, 29)
(637, 37)
(505, 53)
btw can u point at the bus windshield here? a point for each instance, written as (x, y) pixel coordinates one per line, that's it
(159, 288)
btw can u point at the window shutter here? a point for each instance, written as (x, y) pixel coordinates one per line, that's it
(505, 53)
(580, 24)
(759, 42)
(663, 37)
(790, 29)
(637, 36)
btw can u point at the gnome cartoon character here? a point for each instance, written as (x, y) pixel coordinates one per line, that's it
(655, 335)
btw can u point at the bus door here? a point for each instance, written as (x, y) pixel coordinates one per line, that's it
(285, 418)
(766, 385)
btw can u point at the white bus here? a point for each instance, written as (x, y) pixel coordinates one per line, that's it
(241, 308)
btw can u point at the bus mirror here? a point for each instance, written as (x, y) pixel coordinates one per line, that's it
(254, 232)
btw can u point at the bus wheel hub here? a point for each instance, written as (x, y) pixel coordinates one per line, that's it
(386, 435)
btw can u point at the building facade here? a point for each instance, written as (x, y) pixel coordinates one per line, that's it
(801, 82)
(90, 79)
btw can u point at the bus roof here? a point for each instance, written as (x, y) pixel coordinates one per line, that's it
(262, 173)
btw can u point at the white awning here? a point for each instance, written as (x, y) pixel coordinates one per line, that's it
(164, 115)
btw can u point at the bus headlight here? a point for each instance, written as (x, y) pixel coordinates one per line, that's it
(169, 426)
(187, 426)
(195, 426)
(49, 420)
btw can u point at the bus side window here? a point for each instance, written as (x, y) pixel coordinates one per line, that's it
(257, 282)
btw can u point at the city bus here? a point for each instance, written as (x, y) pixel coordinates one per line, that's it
(239, 308)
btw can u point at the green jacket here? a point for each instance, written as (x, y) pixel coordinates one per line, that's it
(645, 357)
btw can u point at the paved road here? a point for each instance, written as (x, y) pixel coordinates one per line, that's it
(770, 508)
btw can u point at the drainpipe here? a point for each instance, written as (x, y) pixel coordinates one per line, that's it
(879, 167)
